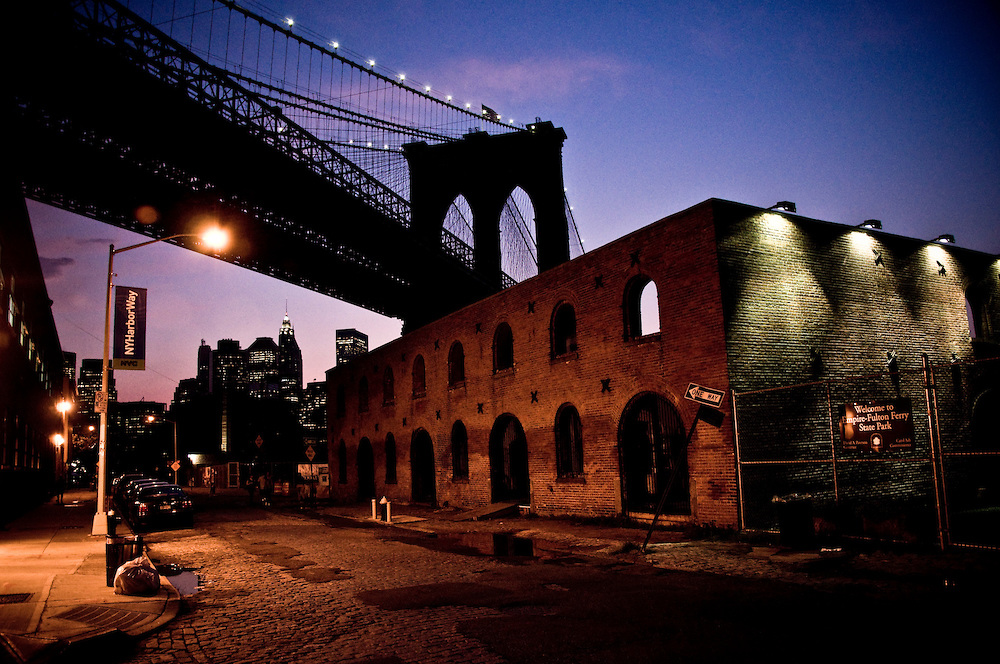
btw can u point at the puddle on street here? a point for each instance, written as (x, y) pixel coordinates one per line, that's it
(504, 546)
(185, 582)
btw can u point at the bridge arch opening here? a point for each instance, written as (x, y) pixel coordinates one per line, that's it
(518, 237)
(458, 236)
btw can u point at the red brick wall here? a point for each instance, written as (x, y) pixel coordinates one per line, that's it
(599, 379)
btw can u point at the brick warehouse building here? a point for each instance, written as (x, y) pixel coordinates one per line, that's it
(556, 395)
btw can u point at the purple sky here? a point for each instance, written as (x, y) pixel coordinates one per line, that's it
(885, 110)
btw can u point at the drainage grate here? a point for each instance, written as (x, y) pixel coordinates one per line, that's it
(100, 616)
(15, 598)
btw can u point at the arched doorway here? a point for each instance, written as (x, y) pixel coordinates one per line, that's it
(651, 445)
(509, 461)
(366, 470)
(422, 468)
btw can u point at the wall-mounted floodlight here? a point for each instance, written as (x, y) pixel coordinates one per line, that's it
(946, 238)
(871, 223)
(787, 206)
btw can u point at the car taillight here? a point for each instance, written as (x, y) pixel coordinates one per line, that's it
(185, 503)
(143, 509)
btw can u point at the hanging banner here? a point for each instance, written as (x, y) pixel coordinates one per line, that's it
(130, 329)
(877, 426)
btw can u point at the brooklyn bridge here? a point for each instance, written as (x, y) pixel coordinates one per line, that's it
(331, 172)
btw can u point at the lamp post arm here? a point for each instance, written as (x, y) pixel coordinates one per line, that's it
(148, 242)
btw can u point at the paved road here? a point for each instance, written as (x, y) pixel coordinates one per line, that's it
(287, 586)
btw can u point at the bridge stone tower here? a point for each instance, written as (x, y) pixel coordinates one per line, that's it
(485, 170)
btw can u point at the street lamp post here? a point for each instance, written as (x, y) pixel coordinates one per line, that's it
(64, 407)
(214, 238)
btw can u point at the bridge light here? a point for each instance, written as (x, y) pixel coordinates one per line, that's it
(290, 22)
(335, 45)
(449, 97)
(468, 105)
(402, 77)
(371, 63)
(427, 88)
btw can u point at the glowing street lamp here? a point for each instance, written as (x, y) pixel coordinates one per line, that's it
(214, 238)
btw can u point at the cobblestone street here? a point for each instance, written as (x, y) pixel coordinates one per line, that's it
(264, 601)
(287, 585)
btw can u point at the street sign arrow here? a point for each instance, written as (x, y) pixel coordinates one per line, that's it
(704, 395)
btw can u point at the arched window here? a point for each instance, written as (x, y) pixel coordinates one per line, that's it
(390, 459)
(563, 329)
(419, 379)
(342, 462)
(456, 364)
(569, 442)
(341, 401)
(388, 387)
(641, 308)
(459, 451)
(363, 395)
(503, 348)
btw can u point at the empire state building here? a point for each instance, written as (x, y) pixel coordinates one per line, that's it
(289, 363)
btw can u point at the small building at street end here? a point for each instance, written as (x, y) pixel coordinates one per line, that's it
(731, 366)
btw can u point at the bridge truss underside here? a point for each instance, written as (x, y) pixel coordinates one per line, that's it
(97, 135)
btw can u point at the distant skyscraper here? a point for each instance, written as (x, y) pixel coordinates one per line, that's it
(262, 368)
(289, 363)
(350, 344)
(89, 384)
(229, 367)
(312, 415)
(204, 377)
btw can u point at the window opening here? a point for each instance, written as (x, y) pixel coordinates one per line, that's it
(503, 348)
(569, 443)
(459, 451)
(564, 330)
(419, 379)
(456, 364)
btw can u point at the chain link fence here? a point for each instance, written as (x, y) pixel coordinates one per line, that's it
(903, 455)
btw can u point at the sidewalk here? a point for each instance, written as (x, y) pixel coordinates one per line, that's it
(54, 597)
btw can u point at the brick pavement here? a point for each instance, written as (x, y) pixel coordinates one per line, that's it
(252, 609)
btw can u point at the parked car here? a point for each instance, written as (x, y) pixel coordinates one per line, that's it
(127, 493)
(160, 505)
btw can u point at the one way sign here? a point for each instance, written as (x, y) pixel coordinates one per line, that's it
(704, 395)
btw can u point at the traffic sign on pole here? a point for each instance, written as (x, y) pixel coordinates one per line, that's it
(704, 395)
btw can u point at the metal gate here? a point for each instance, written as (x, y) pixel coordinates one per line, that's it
(939, 483)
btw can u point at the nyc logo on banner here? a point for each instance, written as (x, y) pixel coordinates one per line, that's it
(130, 329)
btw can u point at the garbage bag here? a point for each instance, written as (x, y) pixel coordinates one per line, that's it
(137, 577)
